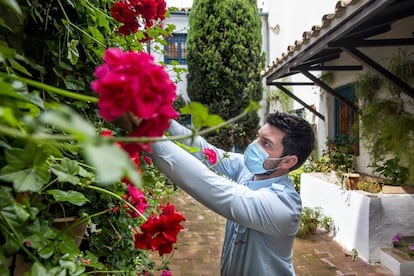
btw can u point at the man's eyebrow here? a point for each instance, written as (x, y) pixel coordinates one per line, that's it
(267, 140)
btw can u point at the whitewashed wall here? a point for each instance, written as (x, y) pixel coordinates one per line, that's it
(364, 221)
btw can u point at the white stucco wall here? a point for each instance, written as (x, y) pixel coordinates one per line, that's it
(362, 220)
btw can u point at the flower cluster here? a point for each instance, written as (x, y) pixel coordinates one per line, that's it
(137, 13)
(398, 241)
(137, 199)
(133, 83)
(210, 155)
(160, 232)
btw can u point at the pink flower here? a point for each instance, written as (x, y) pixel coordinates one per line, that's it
(166, 273)
(132, 82)
(210, 155)
(136, 198)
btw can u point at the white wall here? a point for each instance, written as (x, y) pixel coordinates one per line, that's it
(362, 220)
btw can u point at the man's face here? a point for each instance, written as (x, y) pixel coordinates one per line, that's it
(270, 138)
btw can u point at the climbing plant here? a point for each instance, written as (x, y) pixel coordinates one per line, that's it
(387, 118)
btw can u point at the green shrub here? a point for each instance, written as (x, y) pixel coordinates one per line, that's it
(311, 219)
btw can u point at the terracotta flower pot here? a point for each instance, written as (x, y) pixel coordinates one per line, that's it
(352, 181)
(76, 232)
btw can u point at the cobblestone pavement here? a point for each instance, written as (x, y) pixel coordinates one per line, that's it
(199, 248)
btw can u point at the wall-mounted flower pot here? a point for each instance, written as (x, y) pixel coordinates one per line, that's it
(352, 181)
(77, 232)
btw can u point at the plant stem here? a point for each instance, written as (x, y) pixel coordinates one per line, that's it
(118, 197)
(179, 137)
(38, 137)
(51, 89)
(41, 136)
(15, 235)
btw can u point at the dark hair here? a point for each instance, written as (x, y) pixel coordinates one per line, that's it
(299, 139)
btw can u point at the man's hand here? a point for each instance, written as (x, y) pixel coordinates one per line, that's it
(128, 121)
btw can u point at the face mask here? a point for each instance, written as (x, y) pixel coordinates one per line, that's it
(255, 156)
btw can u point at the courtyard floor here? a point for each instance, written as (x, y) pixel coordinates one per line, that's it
(199, 248)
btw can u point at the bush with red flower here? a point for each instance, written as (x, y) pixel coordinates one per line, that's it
(58, 158)
(56, 162)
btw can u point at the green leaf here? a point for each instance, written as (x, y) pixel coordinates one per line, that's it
(95, 33)
(68, 246)
(46, 252)
(13, 5)
(39, 270)
(67, 120)
(111, 163)
(188, 148)
(5, 51)
(15, 214)
(8, 117)
(73, 197)
(66, 171)
(15, 65)
(4, 25)
(73, 53)
(30, 179)
(200, 116)
(253, 106)
(26, 168)
(71, 83)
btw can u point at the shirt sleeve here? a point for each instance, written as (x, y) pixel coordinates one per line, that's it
(262, 210)
(229, 164)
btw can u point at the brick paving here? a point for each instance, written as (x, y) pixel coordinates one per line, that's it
(199, 248)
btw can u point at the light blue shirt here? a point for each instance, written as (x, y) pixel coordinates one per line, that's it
(262, 216)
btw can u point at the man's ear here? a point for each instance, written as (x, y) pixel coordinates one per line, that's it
(289, 162)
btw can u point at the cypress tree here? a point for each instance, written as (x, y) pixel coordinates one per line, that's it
(224, 60)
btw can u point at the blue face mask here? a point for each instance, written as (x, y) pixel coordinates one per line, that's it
(255, 156)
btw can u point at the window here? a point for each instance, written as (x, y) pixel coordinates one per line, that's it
(346, 119)
(176, 49)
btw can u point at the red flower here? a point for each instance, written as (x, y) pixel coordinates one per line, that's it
(211, 155)
(160, 232)
(123, 12)
(148, 11)
(132, 82)
(106, 133)
(127, 12)
(135, 159)
(147, 160)
(161, 9)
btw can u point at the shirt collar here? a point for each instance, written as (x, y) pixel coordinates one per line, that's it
(258, 184)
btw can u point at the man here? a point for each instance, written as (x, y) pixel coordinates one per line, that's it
(253, 191)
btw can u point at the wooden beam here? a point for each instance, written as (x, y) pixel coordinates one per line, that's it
(358, 55)
(330, 90)
(293, 96)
